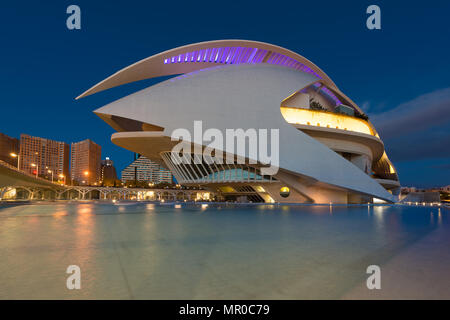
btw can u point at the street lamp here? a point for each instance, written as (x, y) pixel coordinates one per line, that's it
(86, 174)
(50, 171)
(63, 177)
(37, 168)
(15, 155)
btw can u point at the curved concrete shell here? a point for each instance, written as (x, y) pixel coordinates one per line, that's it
(318, 163)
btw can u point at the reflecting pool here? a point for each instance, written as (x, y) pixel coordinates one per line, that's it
(153, 251)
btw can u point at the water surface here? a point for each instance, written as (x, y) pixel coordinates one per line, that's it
(150, 251)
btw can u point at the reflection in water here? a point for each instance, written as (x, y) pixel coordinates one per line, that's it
(84, 215)
(84, 226)
(379, 216)
(59, 214)
(150, 251)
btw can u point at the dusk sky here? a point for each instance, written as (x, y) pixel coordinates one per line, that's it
(399, 75)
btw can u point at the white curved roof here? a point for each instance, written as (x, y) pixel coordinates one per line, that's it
(207, 54)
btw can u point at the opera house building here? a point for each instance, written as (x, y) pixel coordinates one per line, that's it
(329, 152)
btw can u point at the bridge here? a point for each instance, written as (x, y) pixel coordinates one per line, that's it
(19, 185)
(114, 193)
(13, 179)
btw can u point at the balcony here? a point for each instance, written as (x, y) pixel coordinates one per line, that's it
(326, 119)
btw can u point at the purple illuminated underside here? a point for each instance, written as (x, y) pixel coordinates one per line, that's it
(328, 92)
(239, 55)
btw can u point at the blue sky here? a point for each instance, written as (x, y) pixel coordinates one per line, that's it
(403, 66)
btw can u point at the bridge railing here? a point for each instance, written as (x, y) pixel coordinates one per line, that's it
(9, 166)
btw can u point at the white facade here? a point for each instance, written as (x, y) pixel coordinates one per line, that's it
(323, 156)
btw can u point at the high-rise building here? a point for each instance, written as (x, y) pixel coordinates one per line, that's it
(108, 174)
(85, 162)
(43, 156)
(8, 145)
(143, 169)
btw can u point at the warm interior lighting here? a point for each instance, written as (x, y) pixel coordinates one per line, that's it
(284, 192)
(259, 189)
(391, 168)
(202, 196)
(385, 158)
(326, 119)
(227, 189)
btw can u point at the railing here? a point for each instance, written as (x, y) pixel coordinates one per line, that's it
(196, 170)
(5, 164)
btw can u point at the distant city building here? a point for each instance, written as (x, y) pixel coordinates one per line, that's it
(85, 162)
(144, 169)
(423, 196)
(43, 155)
(445, 189)
(9, 145)
(108, 175)
(406, 190)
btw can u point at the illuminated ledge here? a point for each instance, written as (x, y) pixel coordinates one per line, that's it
(148, 143)
(348, 140)
(326, 120)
